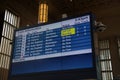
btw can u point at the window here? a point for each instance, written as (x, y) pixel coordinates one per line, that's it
(105, 60)
(11, 22)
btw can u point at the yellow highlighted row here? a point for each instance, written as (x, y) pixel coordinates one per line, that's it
(67, 32)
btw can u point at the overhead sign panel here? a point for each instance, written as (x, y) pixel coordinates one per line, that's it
(62, 45)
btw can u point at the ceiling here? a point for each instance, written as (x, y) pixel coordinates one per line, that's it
(72, 7)
(59, 7)
(101, 8)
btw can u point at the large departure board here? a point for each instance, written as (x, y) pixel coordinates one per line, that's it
(57, 46)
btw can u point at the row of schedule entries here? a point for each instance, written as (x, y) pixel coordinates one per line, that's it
(55, 41)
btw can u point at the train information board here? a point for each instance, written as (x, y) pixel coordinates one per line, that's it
(62, 45)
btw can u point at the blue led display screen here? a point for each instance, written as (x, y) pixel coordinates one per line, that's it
(64, 45)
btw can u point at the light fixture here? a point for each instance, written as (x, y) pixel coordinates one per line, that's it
(99, 26)
(43, 12)
(64, 15)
